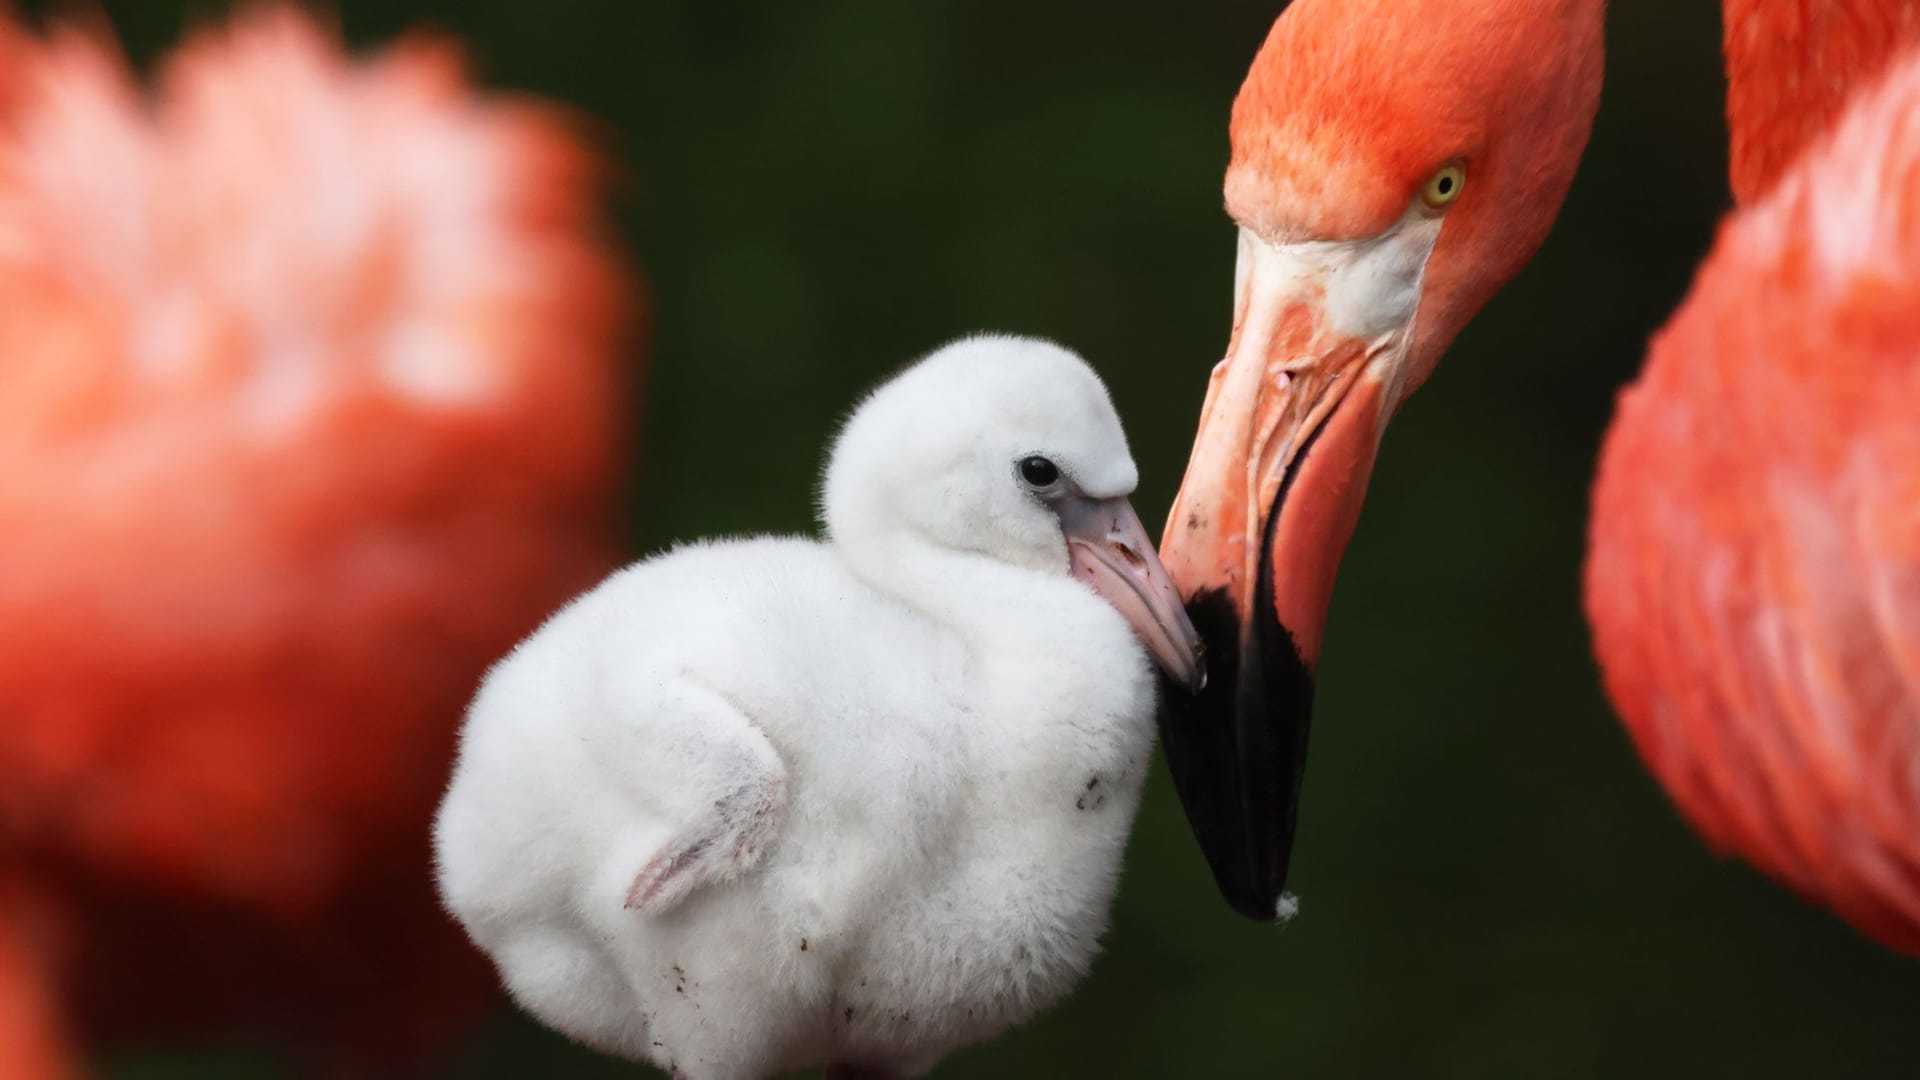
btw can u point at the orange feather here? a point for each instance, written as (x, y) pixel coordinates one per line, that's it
(1336, 159)
(309, 408)
(33, 1041)
(1791, 68)
(1753, 579)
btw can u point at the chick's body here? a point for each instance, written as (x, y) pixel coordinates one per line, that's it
(950, 847)
(769, 803)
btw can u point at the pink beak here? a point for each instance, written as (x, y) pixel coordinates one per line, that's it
(1109, 550)
(1279, 470)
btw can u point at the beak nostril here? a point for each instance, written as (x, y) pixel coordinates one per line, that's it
(1110, 550)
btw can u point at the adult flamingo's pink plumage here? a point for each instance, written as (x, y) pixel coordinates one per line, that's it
(1753, 576)
(311, 382)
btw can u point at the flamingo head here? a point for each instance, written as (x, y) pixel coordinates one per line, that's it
(1394, 163)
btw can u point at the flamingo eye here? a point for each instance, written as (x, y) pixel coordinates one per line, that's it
(1443, 187)
(1038, 472)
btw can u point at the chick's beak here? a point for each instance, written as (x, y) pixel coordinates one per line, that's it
(1109, 549)
(1273, 489)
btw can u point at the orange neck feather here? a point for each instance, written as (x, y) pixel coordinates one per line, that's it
(1791, 64)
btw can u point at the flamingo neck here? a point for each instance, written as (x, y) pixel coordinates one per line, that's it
(1792, 65)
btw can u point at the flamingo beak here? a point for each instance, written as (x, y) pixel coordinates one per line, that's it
(1292, 420)
(1110, 550)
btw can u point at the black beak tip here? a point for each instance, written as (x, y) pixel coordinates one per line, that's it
(1237, 750)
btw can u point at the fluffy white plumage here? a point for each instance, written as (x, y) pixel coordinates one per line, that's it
(769, 803)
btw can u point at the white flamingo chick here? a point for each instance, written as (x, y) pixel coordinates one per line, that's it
(770, 803)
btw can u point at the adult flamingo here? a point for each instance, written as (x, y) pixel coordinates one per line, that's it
(1791, 68)
(1753, 574)
(1394, 163)
(308, 385)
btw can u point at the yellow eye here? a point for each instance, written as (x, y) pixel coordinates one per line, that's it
(1443, 187)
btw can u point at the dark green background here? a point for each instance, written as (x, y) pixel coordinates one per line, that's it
(1490, 884)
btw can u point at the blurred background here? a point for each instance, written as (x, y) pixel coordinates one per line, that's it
(1490, 885)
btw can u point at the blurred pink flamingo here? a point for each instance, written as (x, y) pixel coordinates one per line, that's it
(310, 405)
(1753, 573)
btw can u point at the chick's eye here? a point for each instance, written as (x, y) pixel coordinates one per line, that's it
(1443, 187)
(1038, 471)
